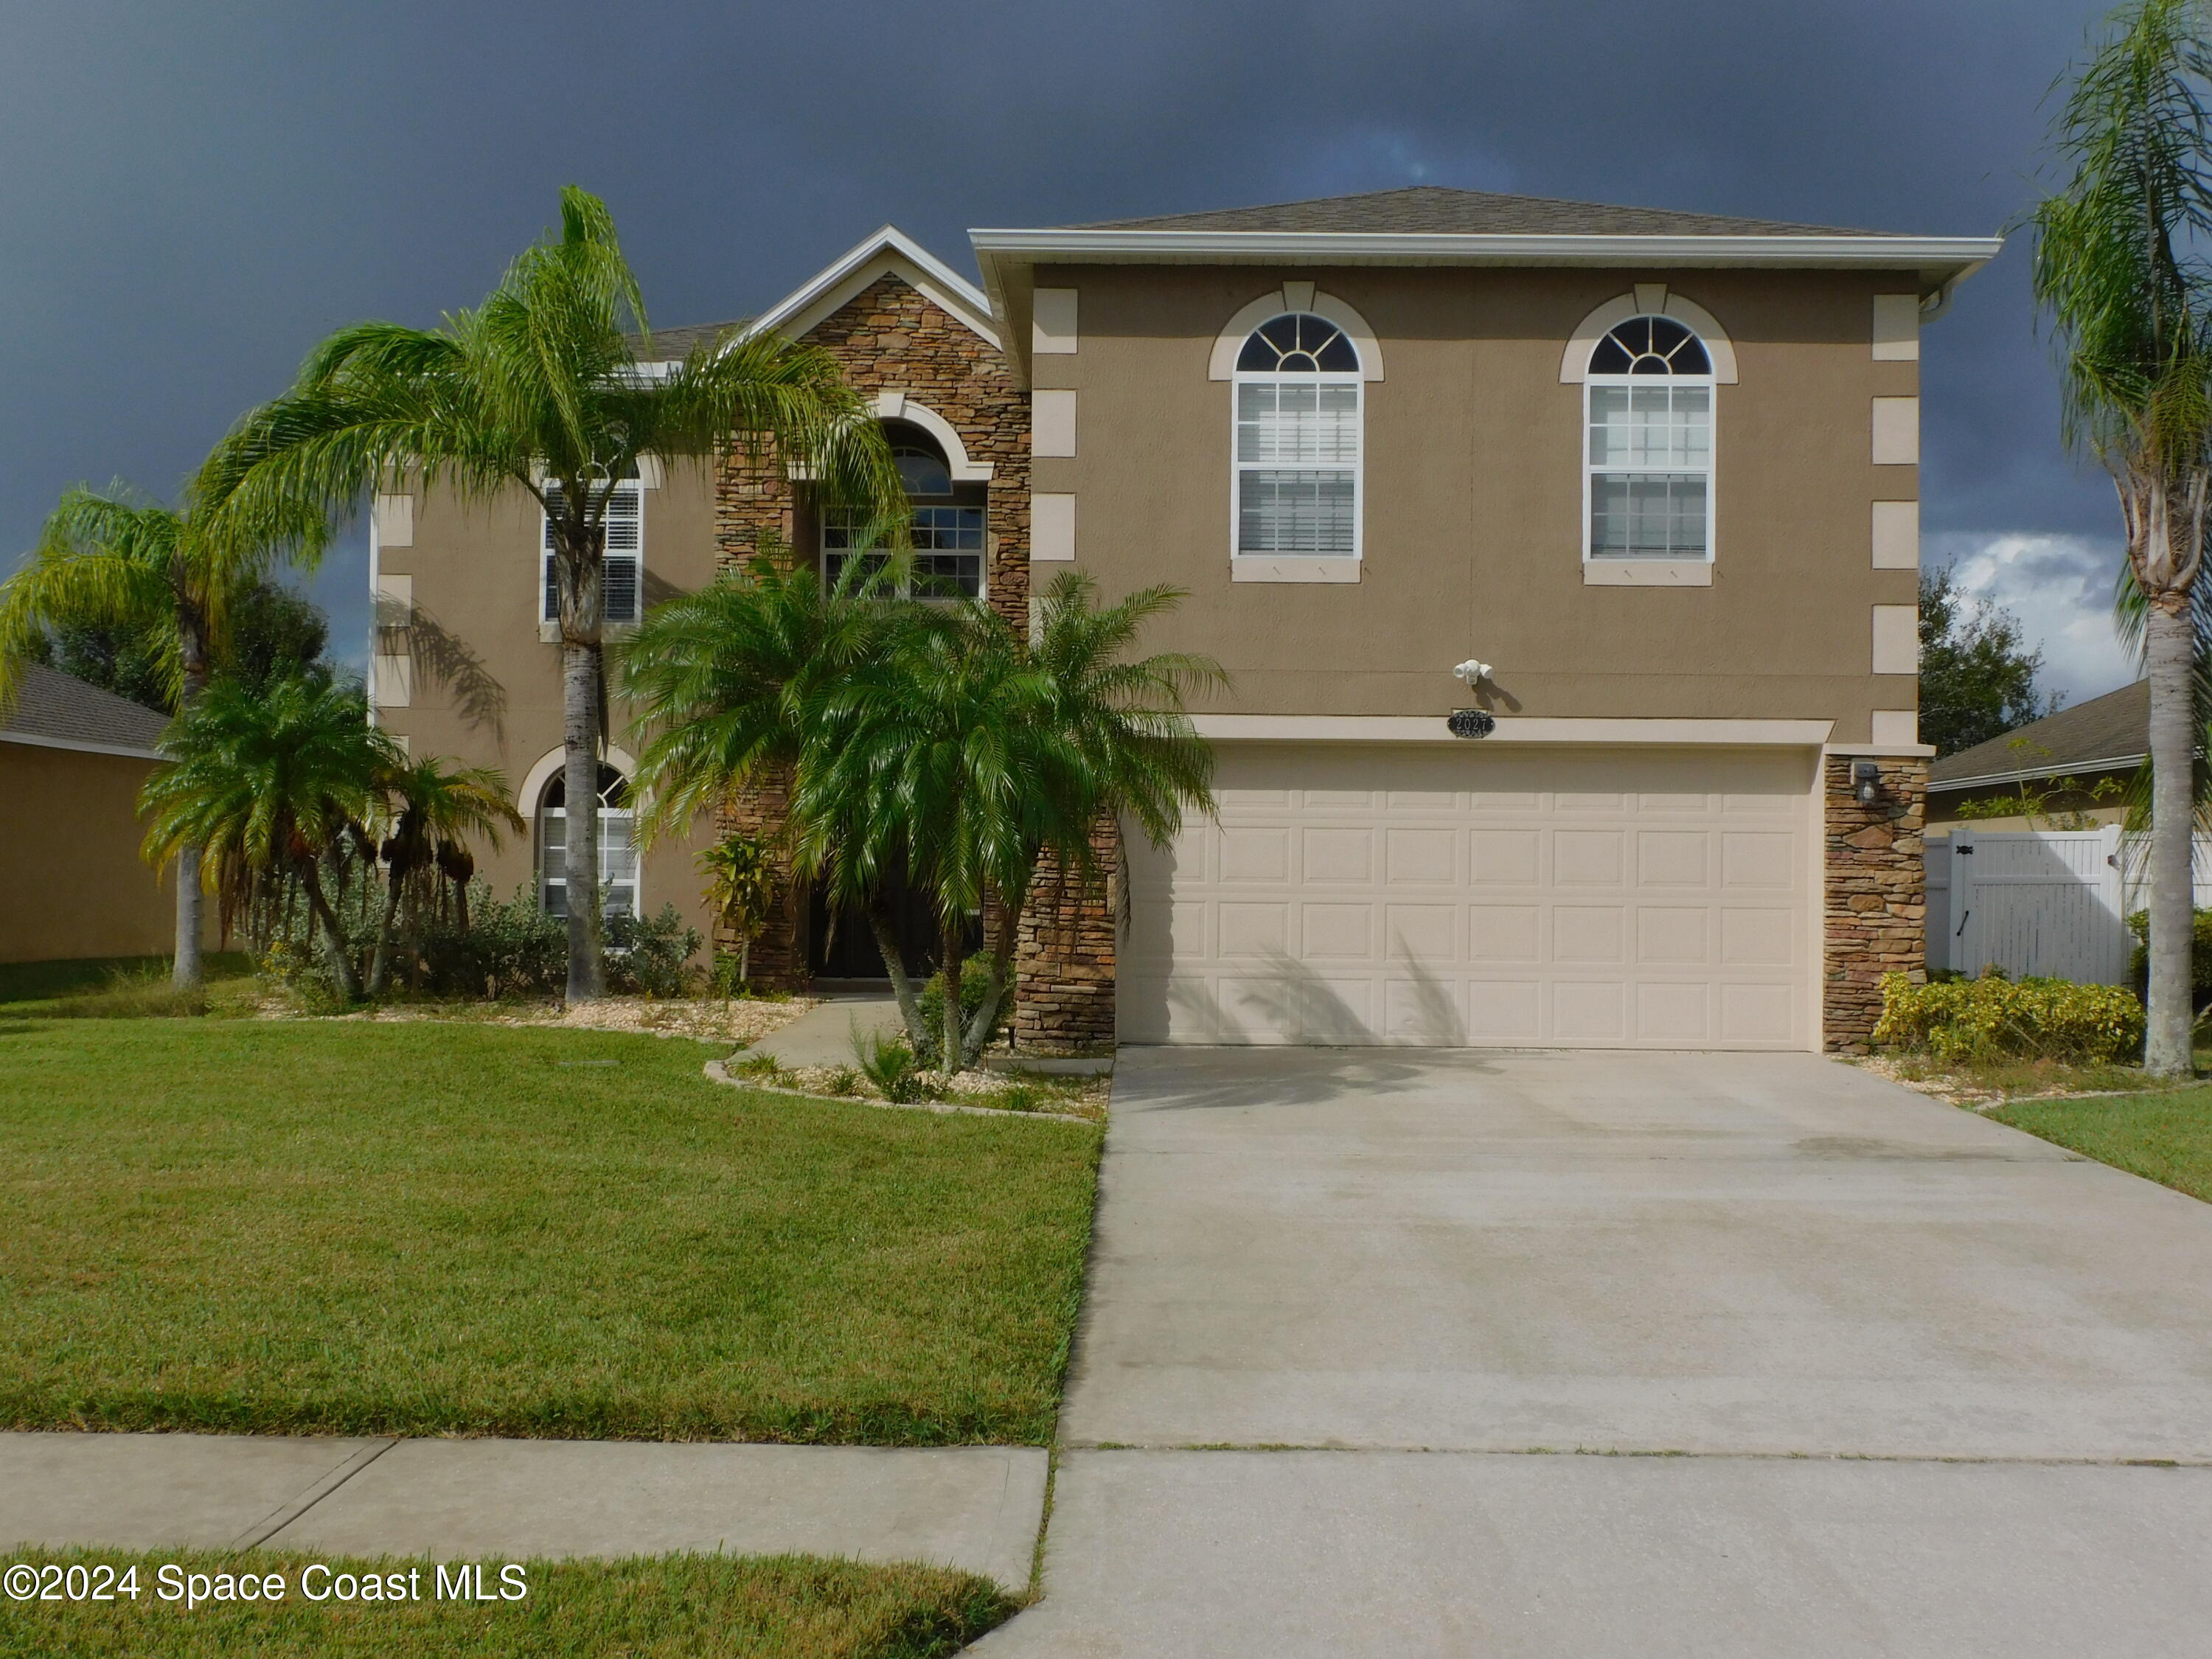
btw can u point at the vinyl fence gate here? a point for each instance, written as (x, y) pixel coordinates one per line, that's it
(2050, 902)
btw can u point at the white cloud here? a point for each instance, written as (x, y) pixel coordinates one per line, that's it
(2060, 587)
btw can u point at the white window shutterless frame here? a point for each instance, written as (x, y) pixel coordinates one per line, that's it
(1648, 445)
(617, 849)
(622, 578)
(1298, 407)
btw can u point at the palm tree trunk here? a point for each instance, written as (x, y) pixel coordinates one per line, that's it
(379, 972)
(951, 1057)
(580, 699)
(903, 991)
(188, 970)
(1003, 946)
(334, 945)
(2170, 650)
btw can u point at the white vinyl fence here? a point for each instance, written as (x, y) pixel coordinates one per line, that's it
(2050, 902)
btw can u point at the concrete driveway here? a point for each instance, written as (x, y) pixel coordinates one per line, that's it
(1448, 1269)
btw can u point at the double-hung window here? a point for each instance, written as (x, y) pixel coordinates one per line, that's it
(618, 846)
(1298, 441)
(622, 570)
(1649, 444)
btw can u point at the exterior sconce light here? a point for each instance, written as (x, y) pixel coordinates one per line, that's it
(1866, 782)
(1471, 672)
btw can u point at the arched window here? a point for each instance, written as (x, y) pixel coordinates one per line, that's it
(618, 845)
(1649, 448)
(1298, 441)
(947, 526)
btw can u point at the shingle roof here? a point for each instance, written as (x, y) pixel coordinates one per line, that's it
(2114, 727)
(53, 707)
(1435, 210)
(670, 344)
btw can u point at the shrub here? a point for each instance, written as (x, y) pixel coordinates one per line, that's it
(646, 955)
(1993, 1018)
(2200, 956)
(512, 949)
(975, 983)
(891, 1064)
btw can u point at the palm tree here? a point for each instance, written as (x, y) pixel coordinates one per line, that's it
(115, 558)
(271, 785)
(551, 387)
(434, 808)
(966, 754)
(2119, 271)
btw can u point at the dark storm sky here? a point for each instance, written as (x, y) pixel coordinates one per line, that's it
(193, 194)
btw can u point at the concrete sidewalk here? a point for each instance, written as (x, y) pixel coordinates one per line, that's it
(823, 1035)
(976, 1508)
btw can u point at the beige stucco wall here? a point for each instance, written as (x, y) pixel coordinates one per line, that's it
(487, 689)
(69, 833)
(1472, 498)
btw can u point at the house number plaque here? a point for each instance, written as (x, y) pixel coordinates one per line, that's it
(1471, 722)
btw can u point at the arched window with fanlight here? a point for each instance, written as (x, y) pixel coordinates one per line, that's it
(618, 845)
(1298, 407)
(947, 523)
(1649, 446)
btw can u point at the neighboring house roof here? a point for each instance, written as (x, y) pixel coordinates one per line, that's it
(1430, 225)
(890, 250)
(54, 710)
(2104, 734)
(1433, 209)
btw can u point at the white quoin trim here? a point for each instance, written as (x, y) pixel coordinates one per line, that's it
(1272, 304)
(1574, 362)
(897, 406)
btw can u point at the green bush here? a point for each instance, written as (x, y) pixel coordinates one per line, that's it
(975, 984)
(2200, 955)
(512, 949)
(646, 955)
(1993, 1018)
(891, 1064)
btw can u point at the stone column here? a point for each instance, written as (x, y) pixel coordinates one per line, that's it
(1064, 959)
(1876, 902)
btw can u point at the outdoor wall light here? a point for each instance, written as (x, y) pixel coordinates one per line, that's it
(1866, 782)
(1471, 672)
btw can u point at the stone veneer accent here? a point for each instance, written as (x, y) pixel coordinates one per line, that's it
(1875, 895)
(890, 337)
(1065, 958)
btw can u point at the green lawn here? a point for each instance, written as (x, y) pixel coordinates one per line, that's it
(697, 1607)
(2165, 1136)
(321, 1226)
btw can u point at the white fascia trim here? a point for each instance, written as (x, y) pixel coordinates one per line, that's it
(889, 249)
(35, 741)
(1372, 728)
(2109, 763)
(1947, 258)
(1884, 750)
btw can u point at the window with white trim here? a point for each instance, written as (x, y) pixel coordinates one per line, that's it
(618, 846)
(621, 577)
(947, 528)
(1298, 399)
(1648, 444)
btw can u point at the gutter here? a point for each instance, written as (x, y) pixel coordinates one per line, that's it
(78, 745)
(2109, 763)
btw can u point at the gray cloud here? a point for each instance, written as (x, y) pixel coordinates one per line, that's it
(194, 194)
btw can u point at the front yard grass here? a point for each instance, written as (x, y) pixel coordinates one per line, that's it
(431, 1228)
(708, 1606)
(2166, 1137)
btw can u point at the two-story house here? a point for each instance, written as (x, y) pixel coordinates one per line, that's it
(1564, 558)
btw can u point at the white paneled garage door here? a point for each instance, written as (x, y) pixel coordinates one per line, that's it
(1466, 894)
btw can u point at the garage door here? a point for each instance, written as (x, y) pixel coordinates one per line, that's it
(1464, 895)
